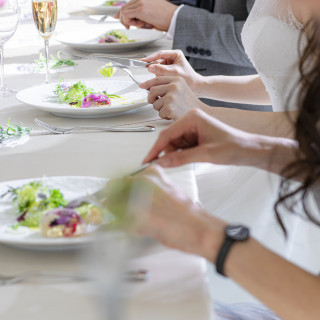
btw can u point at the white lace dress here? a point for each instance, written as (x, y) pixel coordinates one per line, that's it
(271, 39)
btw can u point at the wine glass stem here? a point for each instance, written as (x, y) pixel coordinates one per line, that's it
(46, 45)
(3, 89)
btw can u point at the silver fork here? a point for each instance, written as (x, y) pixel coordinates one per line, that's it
(10, 280)
(125, 69)
(129, 72)
(92, 55)
(134, 275)
(59, 130)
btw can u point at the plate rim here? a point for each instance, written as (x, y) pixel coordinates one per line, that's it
(161, 35)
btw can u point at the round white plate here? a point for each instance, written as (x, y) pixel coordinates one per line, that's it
(89, 41)
(25, 238)
(103, 10)
(43, 98)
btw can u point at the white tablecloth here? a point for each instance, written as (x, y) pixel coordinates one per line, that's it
(179, 279)
(176, 289)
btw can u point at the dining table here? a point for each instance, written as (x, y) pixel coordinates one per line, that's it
(177, 287)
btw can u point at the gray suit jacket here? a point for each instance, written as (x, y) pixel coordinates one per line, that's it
(212, 41)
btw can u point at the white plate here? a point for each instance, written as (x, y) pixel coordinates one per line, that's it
(43, 98)
(26, 238)
(103, 10)
(89, 41)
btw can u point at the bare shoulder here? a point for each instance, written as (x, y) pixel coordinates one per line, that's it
(301, 12)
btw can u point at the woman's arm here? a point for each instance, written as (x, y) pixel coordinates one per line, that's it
(274, 124)
(235, 89)
(174, 220)
(271, 154)
(198, 137)
(288, 290)
(173, 98)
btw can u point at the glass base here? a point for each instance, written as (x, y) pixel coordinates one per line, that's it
(6, 92)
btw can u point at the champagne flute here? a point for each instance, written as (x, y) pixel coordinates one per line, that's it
(45, 18)
(9, 19)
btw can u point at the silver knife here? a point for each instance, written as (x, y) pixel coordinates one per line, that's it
(130, 63)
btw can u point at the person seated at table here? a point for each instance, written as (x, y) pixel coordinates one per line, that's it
(273, 38)
(176, 221)
(207, 32)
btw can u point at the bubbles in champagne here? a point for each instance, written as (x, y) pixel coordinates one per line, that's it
(45, 17)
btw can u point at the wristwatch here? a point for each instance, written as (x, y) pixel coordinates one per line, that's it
(233, 234)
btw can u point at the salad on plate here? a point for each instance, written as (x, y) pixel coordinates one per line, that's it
(116, 36)
(79, 95)
(40, 207)
(114, 3)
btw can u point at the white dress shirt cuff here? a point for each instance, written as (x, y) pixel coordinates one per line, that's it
(172, 28)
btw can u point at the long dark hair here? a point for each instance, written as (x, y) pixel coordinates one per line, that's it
(307, 124)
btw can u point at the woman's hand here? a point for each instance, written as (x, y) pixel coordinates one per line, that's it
(171, 96)
(166, 214)
(159, 210)
(174, 63)
(197, 137)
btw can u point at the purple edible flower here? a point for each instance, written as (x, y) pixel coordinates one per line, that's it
(42, 196)
(119, 4)
(22, 217)
(98, 99)
(63, 86)
(67, 218)
(109, 39)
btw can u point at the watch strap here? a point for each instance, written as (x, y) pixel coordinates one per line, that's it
(227, 245)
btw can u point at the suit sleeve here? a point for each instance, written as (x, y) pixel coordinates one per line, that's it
(211, 36)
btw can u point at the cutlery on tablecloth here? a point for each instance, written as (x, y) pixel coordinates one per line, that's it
(133, 275)
(99, 196)
(59, 130)
(92, 55)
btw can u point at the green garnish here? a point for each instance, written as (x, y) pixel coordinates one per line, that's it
(111, 96)
(107, 70)
(74, 94)
(12, 130)
(54, 62)
(119, 35)
(32, 201)
(110, 3)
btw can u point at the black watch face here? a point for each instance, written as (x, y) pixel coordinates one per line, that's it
(237, 233)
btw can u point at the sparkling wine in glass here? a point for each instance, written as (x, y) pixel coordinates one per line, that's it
(9, 20)
(45, 18)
